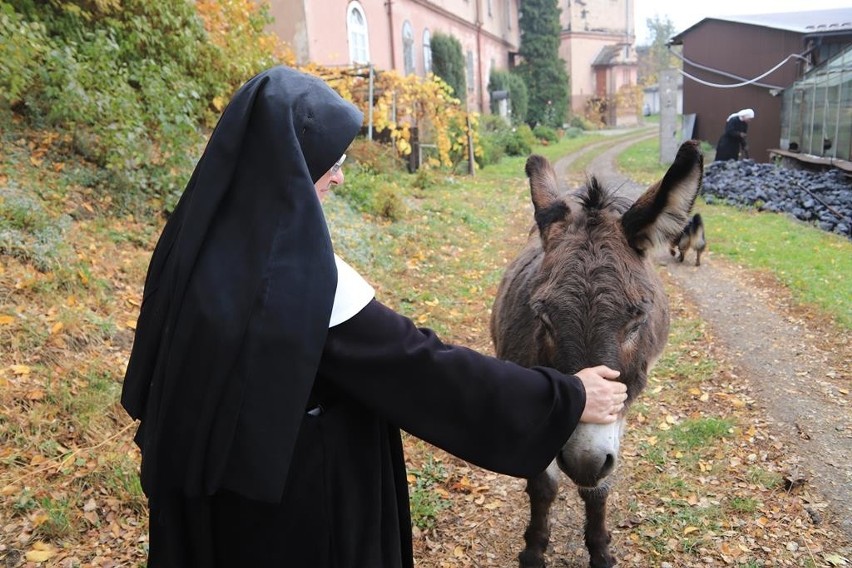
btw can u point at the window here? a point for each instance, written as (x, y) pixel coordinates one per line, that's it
(427, 52)
(356, 25)
(407, 48)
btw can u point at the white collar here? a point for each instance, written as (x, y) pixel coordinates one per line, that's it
(353, 293)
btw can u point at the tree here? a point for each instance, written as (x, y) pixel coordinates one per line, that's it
(657, 56)
(518, 94)
(448, 63)
(542, 69)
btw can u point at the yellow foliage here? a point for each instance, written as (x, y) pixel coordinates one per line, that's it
(400, 103)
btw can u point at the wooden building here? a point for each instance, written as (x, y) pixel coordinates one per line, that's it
(748, 61)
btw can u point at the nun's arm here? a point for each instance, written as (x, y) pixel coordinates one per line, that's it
(493, 413)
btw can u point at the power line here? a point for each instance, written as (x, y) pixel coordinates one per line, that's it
(743, 81)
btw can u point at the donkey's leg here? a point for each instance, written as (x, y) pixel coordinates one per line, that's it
(542, 491)
(597, 537)
(698, 257)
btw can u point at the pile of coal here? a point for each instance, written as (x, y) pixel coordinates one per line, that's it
(821, 198)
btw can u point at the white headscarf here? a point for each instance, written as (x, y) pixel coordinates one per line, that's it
(745, 113)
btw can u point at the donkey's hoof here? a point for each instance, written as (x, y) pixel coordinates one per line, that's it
(529, 559)
(602, 562)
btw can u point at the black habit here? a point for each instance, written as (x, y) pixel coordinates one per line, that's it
(728, 147)
(267, 438)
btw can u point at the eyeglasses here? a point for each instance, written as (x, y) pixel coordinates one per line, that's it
(338, 164)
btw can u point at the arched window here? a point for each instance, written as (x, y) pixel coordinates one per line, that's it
(356, 26)
(427, 52)
(407, 47)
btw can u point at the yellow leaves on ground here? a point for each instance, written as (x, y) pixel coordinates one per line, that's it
(20, 370)
(40, 552)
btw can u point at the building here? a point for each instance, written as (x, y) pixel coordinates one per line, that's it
(749, 62)
(396, 35)
(597, 45)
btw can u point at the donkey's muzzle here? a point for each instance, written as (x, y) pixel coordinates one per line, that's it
(591, 453)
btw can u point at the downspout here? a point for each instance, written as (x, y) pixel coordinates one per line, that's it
(391, 34)
(479, 54)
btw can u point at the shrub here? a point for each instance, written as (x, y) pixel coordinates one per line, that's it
(546, 134)
(372, 193)
(134, 80)
(374, 157)
(518, 93)
(448, 63)
(521, 141)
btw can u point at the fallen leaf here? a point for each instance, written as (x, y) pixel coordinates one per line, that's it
(40, 555)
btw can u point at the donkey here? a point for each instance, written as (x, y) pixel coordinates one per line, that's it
(584, 292)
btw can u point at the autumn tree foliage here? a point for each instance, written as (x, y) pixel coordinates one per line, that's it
(542, 69)
(658, 55)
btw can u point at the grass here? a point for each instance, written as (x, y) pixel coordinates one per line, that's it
(426, 502)
(813, 264)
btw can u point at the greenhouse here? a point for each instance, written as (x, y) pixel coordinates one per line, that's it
(817, 112)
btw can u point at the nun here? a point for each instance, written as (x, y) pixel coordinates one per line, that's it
(271, 385)
(734, 138)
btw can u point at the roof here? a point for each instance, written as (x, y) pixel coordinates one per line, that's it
(810, 22)
(612, 55)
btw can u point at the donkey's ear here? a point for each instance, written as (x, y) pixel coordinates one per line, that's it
(661, 212)
(543, 184)
(550, 209)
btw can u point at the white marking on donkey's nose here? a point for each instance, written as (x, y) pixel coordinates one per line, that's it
(591, 452)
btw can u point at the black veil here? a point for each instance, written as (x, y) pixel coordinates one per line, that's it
(238, 295)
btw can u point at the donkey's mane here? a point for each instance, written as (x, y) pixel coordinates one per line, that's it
(595, 198)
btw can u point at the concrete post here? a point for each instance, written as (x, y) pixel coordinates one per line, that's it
(668, 116)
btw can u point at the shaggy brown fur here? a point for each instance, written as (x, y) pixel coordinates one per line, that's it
(583, 293)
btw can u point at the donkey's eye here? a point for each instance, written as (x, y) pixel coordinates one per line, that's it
(634, 327)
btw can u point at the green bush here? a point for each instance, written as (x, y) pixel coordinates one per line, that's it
(494, 132)
(448, 63)
(582, 123)
(518, 93)
(498, 139)
(371, 193)
(546, 134)
(133, 83)
(23, 46)
(521, 141)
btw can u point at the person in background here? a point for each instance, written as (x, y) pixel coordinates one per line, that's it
(734, 138)
(271, 386)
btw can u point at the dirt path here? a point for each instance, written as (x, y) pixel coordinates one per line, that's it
(796, 367)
